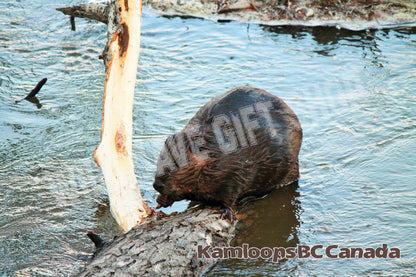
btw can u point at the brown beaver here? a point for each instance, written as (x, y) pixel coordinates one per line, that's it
(242, 143)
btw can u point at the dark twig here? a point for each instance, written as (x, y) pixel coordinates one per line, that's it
(34, 91)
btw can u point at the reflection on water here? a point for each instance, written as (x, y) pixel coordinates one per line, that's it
(35, 101)
(352, 91)
(269, 222)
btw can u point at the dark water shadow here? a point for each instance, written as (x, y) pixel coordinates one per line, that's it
(35, 101)
(269, 222)
(328, 38)
(107, 226)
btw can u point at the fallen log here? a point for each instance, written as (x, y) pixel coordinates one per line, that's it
(95, 11)
(353, 15)
(164, 247)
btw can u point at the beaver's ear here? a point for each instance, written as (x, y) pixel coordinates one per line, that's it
(198, 161)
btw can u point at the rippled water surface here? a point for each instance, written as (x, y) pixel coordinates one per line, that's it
(354, 93)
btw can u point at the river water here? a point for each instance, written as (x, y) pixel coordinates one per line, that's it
(354, 94)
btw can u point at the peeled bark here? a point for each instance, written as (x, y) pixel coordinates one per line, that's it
(114, 153)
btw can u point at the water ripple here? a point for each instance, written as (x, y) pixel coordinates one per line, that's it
(353, 93)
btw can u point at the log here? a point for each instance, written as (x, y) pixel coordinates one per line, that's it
(350, 14)
(164, 247)
(95, 11)
(114, 153)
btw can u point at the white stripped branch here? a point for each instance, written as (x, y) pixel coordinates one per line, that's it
(114, 153)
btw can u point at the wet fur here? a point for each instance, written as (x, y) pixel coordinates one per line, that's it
(224, 179)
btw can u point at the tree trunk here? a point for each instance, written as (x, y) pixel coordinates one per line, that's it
(164, 247)
(114, 154)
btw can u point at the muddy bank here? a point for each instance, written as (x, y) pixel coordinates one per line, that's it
(350, 14)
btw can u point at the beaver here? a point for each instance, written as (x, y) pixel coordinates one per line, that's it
(243, 143)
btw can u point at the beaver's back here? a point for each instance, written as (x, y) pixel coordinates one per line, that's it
(241, 143)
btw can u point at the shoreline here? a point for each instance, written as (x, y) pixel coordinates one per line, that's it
(353, 15)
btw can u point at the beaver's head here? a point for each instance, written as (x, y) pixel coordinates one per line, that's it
(178, 171)
(179, 184)
(167, 189)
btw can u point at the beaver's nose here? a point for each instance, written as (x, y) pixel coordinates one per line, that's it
(158, 185)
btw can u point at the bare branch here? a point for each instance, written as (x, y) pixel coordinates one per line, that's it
(114, 154)
(96, 11)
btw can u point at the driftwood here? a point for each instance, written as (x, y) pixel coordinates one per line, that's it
(349, 14)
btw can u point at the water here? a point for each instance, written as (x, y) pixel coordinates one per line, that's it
(352, 91)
